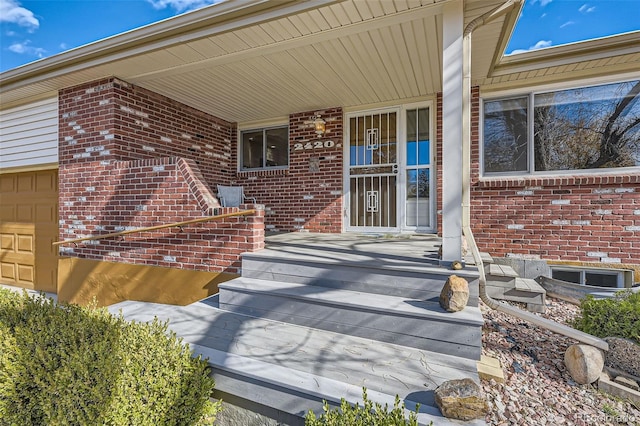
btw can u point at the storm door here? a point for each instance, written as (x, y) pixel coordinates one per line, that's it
(372, 180)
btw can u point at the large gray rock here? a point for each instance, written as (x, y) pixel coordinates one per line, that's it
(623, 355)
(461, 399)
(455, 294)
(584, 362)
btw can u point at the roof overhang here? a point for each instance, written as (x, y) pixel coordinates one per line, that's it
(247, 60)
(614, 57)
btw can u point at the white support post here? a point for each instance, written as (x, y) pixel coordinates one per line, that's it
(452, 98)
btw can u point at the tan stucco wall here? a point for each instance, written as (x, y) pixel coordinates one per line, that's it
(83, 280)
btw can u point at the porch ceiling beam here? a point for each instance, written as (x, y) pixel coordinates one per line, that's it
(336, 33)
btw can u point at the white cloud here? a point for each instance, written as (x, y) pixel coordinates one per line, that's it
(543, 3)
(181, 5)
(586, 8)
(26, 49)
(539, 45)
(566, 24)
(12, 12)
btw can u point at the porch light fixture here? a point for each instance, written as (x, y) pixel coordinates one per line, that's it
(319, 125)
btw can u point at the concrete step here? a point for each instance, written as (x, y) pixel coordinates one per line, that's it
(497, 274)
(283, 370)
(484, 256)
(397, 320)
(523, 290)
(402, 277)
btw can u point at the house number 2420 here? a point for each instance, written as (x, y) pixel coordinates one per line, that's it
(314, 145)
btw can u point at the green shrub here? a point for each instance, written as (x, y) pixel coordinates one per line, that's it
(68, 365)
(371, 414)
(619, 316)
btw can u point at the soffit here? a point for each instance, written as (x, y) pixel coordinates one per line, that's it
(333, 53)
(600, 58)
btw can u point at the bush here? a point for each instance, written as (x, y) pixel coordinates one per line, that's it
(371, 414)
(64, 364)
(615, 317)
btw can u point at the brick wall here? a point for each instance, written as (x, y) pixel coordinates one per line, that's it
(114, 120)
(130, 158)
(98, 198)
(586, 218)
(308, 195)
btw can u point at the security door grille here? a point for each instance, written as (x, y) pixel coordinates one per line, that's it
(373, 170)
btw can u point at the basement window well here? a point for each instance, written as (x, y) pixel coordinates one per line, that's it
(611, 278)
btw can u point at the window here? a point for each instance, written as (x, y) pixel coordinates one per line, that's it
(593, 277)
(585, 128)
(264, 148)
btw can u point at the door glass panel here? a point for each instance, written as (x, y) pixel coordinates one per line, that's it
(424, 151)
(373, 139)
(412, 138)
(418, 197)
(418, 170)
(373, 201)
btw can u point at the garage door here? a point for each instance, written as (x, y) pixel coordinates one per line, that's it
(28, 226)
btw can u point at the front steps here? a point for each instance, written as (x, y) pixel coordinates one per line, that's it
(362, 299)
(409, 278)
(318, 319)
(283, 370)
(384, 296)
(392, 319)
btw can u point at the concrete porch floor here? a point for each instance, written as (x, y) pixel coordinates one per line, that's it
(398, 249)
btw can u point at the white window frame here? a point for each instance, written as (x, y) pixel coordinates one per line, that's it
(530, 95)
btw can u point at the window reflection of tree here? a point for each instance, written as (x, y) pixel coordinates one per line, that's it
(418, 183)
(505, 135)
(584, 128)
(588, 128)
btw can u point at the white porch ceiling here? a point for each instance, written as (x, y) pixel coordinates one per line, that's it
(270, 59)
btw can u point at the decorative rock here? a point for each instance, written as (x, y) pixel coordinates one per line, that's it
(461, 399)
(455, 294)
(584, 362)
(623, 355)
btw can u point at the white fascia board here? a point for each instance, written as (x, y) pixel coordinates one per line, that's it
(217, 18)
(605, 47)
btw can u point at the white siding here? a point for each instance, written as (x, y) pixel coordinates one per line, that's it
(29, 134)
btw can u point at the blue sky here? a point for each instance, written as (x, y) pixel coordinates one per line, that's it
(31, 30)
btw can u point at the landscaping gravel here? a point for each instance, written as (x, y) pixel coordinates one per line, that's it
(538, 389)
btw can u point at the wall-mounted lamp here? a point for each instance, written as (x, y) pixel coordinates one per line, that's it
(320, 125)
